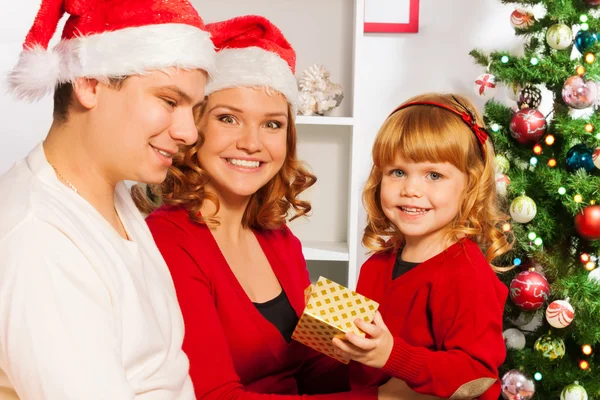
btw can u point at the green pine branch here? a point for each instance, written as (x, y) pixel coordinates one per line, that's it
(554, 191)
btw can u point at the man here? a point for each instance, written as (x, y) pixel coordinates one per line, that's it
(87, 305)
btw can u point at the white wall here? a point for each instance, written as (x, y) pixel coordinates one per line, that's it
(23, 124)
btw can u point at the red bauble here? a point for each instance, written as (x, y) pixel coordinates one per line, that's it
(527, 126)
(529, 290)
(587, 223)
(592, 2)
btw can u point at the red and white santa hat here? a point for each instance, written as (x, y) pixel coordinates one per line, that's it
(109, 38)
(251, 51)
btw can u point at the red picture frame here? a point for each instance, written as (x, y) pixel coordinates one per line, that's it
(410, 26)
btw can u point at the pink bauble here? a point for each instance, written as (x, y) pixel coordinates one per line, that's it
(527, 126)
(596, 157)
(579, 92)
(560, 314)
(592, 2)
(529, 290)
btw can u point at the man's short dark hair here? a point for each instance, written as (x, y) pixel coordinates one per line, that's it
(63, 94)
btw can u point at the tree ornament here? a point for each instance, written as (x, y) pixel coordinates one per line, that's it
(580, 156)
(594, 276)
(517, 385)
(529, 290)
(527, 126)
(523, 209)
(521, 19)
(514, 89)
(550, 346)
(485, 86)
(559, 36)
(514, 339)
(530, 97)
(574, 391)
(502, 182)
(560, 313)
(596, 157)
(587, 223)
(592, 3)
(585, 40)
(501, 164)
(579, 93)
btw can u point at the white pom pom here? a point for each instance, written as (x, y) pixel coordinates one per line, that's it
(35, 75)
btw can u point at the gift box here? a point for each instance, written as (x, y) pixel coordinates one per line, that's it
(330, 312)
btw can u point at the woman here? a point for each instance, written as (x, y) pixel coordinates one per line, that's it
(238, 271)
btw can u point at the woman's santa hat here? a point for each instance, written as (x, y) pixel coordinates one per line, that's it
(109, 38)
(251, 51)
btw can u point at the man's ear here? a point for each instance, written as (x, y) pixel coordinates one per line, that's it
(86, 92)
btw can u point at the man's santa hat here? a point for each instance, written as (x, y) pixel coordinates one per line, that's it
(251, 51)
(109, 39)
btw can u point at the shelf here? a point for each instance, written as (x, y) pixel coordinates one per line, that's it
(325, 251)
(324, 120)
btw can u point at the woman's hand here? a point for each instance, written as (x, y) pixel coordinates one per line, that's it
(373, 351)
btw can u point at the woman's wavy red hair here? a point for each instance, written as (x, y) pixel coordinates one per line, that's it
(268, 208)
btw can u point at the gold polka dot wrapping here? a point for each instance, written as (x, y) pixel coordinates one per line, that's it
(330, 312)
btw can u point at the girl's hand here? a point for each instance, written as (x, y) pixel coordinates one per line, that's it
(395, 389)
(373, 351)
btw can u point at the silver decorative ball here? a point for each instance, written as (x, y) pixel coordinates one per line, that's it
(517, 385)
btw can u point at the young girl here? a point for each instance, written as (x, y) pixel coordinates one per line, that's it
(431, 192)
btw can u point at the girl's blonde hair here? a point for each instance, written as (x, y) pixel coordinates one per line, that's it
(185, 186)
(431, 134)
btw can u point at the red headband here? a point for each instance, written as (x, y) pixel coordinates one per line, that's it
(479, 131)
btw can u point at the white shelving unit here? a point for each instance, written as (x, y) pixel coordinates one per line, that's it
(328, 33)
(324, 120)
(325, 251)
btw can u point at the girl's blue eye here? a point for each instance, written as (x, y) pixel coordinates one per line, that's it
(434, 176)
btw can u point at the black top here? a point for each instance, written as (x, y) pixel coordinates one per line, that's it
(401, 267)
(280, 313)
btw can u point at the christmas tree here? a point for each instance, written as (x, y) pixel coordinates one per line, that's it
(548, 175)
